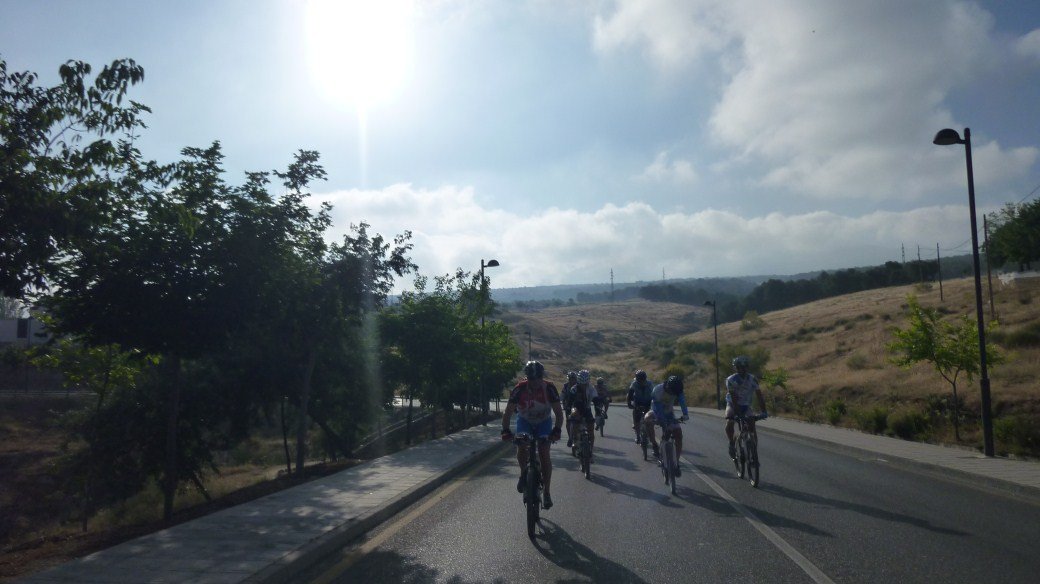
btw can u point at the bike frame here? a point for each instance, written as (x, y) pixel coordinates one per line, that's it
(533, 487)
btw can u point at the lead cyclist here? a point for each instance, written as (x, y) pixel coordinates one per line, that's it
(740, 388)
(663, 400)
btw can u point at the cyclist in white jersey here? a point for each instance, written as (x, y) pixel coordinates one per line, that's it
(741, 387)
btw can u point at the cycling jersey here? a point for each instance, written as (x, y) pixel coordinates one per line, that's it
(533, 405)
(664, 402)
(601, 391)
(640, 393)
(740, 389)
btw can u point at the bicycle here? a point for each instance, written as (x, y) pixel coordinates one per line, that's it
(533, 484)
(601, 420)
(669, 457)
(585, 450)
(746, 461)
(643, 439)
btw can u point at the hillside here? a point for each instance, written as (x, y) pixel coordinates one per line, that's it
(834, 351)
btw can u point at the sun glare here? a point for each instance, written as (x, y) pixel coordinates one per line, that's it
(359, 51)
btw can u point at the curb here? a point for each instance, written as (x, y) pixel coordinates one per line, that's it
(286, 567)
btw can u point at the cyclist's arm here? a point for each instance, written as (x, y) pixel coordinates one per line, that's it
(507, 416)
(682, 405)
(761, 399)
(558, 411)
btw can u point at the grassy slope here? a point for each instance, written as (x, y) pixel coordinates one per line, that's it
(832, 348)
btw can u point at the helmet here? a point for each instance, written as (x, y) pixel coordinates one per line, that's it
(641, 375)
(572, 376)
(741, 361)
(674, 384)
(583, 376)
(600, 381)
(534, 370)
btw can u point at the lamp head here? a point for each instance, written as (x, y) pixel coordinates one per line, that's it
(947, 137)
(491, 264)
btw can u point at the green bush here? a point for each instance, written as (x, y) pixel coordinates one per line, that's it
(908, 424)
(751, 321)
(835, 410)
(873, 420)
(1027, 336)
(1018, 434)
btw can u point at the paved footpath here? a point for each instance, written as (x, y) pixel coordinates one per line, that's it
(271, 538)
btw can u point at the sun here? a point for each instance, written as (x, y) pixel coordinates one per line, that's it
(359, 51)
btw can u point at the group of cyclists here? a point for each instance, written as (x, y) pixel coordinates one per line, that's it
(540, 408)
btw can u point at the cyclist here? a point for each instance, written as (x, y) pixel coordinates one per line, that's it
(665, 396)
(604, 397)
(639, 399)
(583, 398)
(740, 388)
(567, 394)
(533, 400)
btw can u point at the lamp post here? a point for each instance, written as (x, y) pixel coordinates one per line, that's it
(483, 300)
(948, 137)
(715, 323)
(528, 333)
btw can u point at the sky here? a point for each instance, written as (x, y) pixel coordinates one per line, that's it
(569, 138)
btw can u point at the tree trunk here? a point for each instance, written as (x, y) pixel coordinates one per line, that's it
(408, 423)
(285, 440)
(172, 365)
(956, 415)
(305, 396)
(333, 438)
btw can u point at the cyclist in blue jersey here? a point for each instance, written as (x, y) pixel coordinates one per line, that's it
(664, 398)
(741, 387)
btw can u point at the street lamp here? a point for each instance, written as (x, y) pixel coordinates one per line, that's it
(483, 300)
(715, 323)
(948, 137)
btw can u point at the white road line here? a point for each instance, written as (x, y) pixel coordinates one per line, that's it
(808, 567)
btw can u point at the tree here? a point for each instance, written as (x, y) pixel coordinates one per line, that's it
(1015, 235)
(55, 190)
(951, 348)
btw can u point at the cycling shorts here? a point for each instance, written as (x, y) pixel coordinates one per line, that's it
(540, 430)
(732, 410)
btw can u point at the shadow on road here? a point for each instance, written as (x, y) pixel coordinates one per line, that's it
(393, 567)
(858, 508)
(616, 486)
(563, 550)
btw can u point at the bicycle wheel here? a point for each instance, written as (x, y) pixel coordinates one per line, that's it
(670, 462)
(533, 501)
(752, 461)
(741, 456)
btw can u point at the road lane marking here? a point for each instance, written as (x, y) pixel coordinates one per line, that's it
(351, 557)
(808, 567)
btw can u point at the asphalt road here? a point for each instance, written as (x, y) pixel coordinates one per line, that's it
(819, 516)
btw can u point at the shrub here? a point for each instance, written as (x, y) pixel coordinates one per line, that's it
(857, 362)
(1027, 336)
(835, 410)
(908, 424)
(873, 420)
(751, 321)
(1018, 434)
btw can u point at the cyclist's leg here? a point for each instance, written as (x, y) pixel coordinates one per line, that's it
(649, 421)
(677, 435)
(541, 432)
(637, 419)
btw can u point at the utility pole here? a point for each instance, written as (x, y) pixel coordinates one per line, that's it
(920, 270)
(612, 284)
(938, 271)
(989, 274)
(903, 248)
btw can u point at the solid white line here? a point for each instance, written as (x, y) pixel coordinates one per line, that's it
(808, 567)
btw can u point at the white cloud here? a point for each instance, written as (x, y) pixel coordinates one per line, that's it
(830, 100)
(664, 170)
(453, 229)
(1029, 45)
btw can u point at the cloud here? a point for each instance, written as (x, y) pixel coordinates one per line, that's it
(1029, 45)
(829, 100)
(663, 170)
(453, 229)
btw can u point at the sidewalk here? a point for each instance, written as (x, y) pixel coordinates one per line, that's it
(269, 539)
(1017, 478)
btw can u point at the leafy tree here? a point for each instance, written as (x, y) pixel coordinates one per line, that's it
(1015, 235)
(58, 164)
(951, 348)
